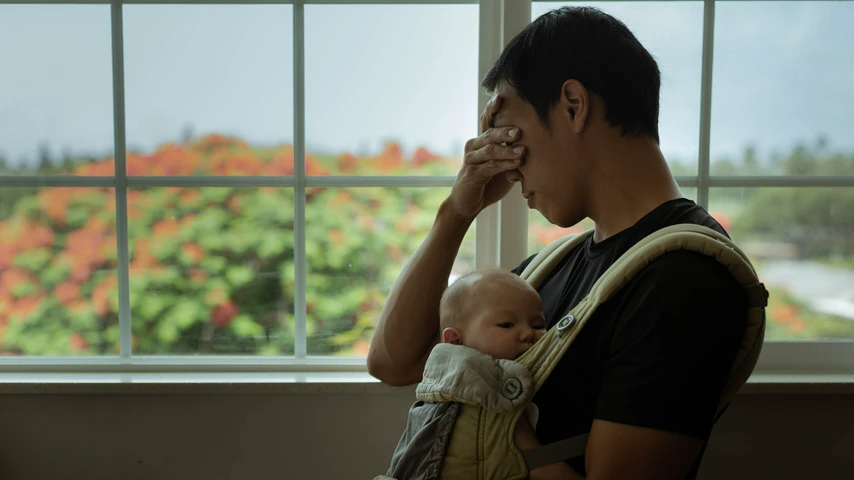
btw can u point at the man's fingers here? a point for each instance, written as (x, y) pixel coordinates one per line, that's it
(494, 152)
(494, 167)
(492, 107)
(493, 136)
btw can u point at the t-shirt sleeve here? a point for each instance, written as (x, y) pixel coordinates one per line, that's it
(677, 330)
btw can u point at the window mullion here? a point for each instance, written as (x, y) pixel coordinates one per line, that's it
(489, 48)
(121, 184)
(300, 340)
(513, 226)
(706, 104)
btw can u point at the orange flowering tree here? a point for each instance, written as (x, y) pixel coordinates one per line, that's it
(211, 269)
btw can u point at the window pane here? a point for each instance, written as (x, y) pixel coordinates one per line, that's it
(56, 109)
(801, 241)
(209, 75)
(395, 83)
(541, 232)
(357, 242)
(782, 87)
(211, 270)
(673, 34)
(58, 283)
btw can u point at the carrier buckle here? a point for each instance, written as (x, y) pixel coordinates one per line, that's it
(565, 322)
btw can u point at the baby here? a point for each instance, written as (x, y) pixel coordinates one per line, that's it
(492, 311)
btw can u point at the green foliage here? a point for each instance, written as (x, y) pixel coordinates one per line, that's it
(212, 269)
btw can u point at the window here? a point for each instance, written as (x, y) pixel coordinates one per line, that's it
(256, 190)
(782, 163)
(207, 185)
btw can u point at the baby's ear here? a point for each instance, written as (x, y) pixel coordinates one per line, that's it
(452, 335)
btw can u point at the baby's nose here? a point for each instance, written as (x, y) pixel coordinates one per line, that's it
(529, 335)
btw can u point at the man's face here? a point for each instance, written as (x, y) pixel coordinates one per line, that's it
(550, 173)
(507, 319)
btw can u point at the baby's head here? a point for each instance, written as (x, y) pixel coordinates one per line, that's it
(492, 311)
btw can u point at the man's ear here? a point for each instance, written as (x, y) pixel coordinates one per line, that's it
(452, 335)
(574, 105)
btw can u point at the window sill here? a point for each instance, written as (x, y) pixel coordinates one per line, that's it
(325, 383)
(789, 383)
(193, 383)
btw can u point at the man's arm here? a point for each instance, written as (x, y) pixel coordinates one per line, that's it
(677, 330)
(408, 327)
(617, 451)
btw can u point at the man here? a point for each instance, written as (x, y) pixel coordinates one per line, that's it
(575, 120)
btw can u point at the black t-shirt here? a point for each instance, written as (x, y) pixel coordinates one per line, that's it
(658, 352)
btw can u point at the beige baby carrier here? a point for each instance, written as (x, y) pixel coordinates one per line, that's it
(489, 395)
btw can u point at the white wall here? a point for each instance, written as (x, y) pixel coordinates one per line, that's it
(338, 436)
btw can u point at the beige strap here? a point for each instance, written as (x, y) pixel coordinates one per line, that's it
(556, 451)
(542, 264)
(757, 296)
(543, 357)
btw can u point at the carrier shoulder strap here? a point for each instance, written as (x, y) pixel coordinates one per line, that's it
(542, 264)
(678, 237)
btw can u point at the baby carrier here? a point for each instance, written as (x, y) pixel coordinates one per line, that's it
(469, 403)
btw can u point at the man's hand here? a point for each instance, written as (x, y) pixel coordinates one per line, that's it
(481, 182)
(524, 435)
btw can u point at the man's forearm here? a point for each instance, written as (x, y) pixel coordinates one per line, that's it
(527, 440)
(555, 471)
(409, 323)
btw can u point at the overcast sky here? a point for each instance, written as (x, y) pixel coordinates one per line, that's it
(783, 73)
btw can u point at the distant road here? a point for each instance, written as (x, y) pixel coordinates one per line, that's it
(825, 289)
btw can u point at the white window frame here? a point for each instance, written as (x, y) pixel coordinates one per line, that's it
(501, 230)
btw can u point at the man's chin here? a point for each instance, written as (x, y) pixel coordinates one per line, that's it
(561, 221)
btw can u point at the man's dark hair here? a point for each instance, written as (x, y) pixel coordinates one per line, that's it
(588, 45)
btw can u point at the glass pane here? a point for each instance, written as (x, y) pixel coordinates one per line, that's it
(673, 34)
(782, 101)
(212, 270)
(357, 242)
(801, 241)
(58, 283)
(541, 232)
(56, 110)
(395, 84)
(209, 89)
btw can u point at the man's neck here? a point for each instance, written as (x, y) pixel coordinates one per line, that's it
(630, 179)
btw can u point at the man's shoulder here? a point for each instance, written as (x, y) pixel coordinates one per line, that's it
(682, 284)
(681, 211)
(686, 270)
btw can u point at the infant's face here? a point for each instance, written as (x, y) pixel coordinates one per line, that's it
(506, 319)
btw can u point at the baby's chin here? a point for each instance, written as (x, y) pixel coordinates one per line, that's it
(508, 353)
(524, 350)
(510, 356)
